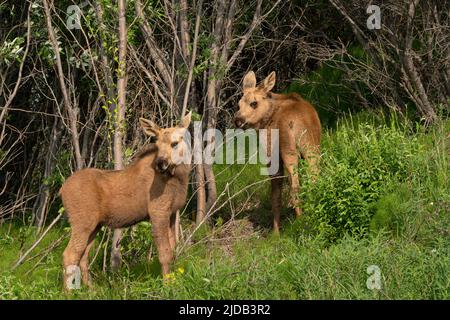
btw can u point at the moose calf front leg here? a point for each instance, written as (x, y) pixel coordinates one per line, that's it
(160, 230)
(172, 231)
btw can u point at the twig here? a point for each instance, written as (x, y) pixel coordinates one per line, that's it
(45, 252)
(22, 258)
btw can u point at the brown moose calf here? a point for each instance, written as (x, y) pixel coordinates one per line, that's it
(299, 133)
(154, 186)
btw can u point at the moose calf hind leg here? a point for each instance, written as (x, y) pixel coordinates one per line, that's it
(116, 256)
(73, 253)
(291, 167)
(295, 188)
(277, 183)
(84, 262)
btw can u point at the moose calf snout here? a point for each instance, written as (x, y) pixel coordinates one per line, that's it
(162, 164)
(238, 121)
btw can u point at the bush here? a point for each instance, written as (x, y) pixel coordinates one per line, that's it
(390, 211)
(361, 163)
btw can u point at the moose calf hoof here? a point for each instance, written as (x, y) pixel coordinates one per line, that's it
(72, 277)
(116, 261)
(87, 281)
(168, 278)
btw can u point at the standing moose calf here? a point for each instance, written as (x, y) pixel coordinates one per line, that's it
(299, 133)
(154, 186)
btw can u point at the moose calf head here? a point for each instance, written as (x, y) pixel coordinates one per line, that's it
(171, 144)
(255, 105)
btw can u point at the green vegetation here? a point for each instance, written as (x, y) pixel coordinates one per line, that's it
(382, 198)
(378, 174)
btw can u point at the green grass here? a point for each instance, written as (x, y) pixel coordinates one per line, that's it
(382, 199)
(261, 269)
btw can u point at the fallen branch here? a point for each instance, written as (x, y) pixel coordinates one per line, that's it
(35, 244)
(45, 252)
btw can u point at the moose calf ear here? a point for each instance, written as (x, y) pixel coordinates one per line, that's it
(249, 81)
(184, 123)
(268, 82)
(150, 128)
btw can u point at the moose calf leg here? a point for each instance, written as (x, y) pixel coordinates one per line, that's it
(73, 253)
(116, 256)
(291, 168)
(295, 188)
(313, 163)
(172, 231)
(160, 230)
(276, 183)
(84, 262)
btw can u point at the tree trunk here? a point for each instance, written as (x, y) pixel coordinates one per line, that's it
(106, 67)
(155, 51)
(119, 117)
(201, 194)
(42, 201)
(72, 113)
(423, 104)
(212, 92)
(218, 67)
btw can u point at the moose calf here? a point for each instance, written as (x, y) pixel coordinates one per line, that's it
(154, 186)
(299, 132)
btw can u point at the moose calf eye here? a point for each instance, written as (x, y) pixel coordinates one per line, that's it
(153, 139)
(254, 104)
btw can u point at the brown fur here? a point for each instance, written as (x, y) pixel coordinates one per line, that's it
(146, 189)
(299, 132)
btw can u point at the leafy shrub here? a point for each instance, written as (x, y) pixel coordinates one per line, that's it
(390, 211)
(137, 242)
(360, 163)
